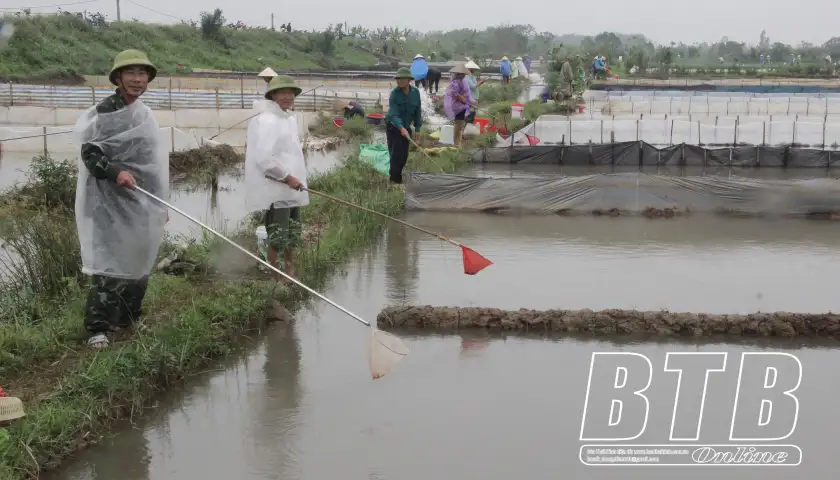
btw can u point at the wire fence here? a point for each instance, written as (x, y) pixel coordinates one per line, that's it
(738, 81)
(61, 139)
(12, 95)
(716, 105)
(555, 130)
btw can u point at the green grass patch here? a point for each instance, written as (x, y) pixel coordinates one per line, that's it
(73, 394)
(64, 45)
(355, 128)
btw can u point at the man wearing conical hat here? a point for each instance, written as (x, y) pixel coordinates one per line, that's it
(273, 149)
(120, 229)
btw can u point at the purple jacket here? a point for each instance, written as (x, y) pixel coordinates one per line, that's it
(451, 104)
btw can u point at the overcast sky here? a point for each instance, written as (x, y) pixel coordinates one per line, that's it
(663, 21)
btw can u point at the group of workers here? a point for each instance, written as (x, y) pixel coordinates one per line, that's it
(517, 68)
(121, 228)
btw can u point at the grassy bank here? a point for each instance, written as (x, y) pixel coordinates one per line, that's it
(496, 101)
(51, 47)
(355, 128)
(73, 394)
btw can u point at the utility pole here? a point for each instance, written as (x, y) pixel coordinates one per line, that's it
(118, 10)
(272, 20)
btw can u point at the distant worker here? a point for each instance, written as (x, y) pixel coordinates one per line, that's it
(433, 80)
(527, 63)
(521, 69)
(458, 100)
(404, 108)
(475, 83)
(600, 67)
(420, 69)
(567, 76)
(506, 69)
(350, 108)
(545, 95)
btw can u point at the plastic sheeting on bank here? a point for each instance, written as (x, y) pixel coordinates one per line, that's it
(642, 153)
(622, 193)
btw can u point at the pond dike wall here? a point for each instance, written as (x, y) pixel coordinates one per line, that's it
(613, 321)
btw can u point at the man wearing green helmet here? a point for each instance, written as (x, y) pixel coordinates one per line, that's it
(273, 149)
(404, 108)
(120, 229)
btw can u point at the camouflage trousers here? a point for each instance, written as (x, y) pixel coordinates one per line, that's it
(113, 303)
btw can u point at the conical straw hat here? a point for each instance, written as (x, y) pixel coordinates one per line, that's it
(472, 65)
(267, 72)
(460, 68)
(340, 104)
(11, 408)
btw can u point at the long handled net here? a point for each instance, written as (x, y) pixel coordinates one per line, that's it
(385, 350)
(473, 261)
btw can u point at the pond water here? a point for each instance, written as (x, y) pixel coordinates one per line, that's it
(301, 405)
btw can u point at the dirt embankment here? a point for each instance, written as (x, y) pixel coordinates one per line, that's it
(62, 79)
(613, 321)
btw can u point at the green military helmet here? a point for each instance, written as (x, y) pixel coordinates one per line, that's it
(280, 82)
(404, 73)
(131, 58)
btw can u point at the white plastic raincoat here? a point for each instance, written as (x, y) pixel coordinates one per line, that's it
(120, 230)
(521, 70)
(273, 147)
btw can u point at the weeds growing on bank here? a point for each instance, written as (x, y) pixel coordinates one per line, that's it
(498, 92)
(202, 166)
(355, 128)
(73, 394)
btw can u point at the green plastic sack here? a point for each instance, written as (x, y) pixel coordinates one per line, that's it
(377, 157)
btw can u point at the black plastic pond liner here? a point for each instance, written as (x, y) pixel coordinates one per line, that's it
(625, 193)
(644, 154)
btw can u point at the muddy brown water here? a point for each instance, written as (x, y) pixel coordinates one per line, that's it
(301, 405)
(224, 209)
